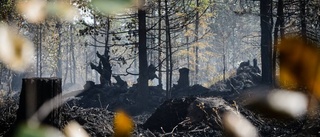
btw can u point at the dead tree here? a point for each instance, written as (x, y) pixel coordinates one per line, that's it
(151, 73)
(120, 83)
(104, 69)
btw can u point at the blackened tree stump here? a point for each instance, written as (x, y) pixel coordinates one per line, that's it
(183, 81)
(35, 92)
(184, 77)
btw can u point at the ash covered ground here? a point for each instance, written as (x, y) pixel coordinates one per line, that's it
(192, 111)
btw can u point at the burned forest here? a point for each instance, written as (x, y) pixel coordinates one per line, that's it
(159, 68)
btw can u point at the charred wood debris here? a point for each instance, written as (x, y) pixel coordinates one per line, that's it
(192, 110)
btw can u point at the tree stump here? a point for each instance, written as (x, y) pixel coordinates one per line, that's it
(35, 92)
(183, 78)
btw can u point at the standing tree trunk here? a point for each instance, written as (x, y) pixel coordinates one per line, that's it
(39, 54)
(266, 24)
(106, 40)
(197, 47)
(159, 44)
(74, 67)
(86, 56)
(38, 48)
(70, 63)
(278, 26)
(188, 49)
(224, 60)
(143, 63)
(95, 45)
(303, 18)
(59, 63)
(168, 53)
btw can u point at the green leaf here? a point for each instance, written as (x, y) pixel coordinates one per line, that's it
(111, 6)
(43, 131)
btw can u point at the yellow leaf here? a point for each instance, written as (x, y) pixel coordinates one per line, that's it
(299, 65)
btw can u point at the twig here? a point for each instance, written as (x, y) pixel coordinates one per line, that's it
(218, 116)
(162, 130)
(99, 101)
(175, 127)
(46, 108)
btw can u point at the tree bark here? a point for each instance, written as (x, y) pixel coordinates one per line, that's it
(197, 47)
(143, 63)
(159, 44)
(168, 52)
(95, 45)
(278, 27)
(106, 40)
(39, 54)
(303, 18)
(74, 65)
(266, 40)
(59, 63)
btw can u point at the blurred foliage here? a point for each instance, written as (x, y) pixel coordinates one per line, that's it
(42, 131)
(7, 8)
(111, 6)
(123, 125)
(16, 51)
(36, 11)
(73, 129)
(299, 65)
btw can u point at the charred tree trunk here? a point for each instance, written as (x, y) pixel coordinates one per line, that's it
(224, 62)
(38, 48)
(266, 40)
(197, 47)
(95, 44)
(106, 40)
(104, 67)
(159, 44)
(66, 66)
(278, 27)
(39, 54)
(74, 65)
(303, 18)
(86, 55)
(143, 63)
(188, 49)
(169, 64)
(59, 63)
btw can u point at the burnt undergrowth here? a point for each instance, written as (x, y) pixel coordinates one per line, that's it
(192, 111)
